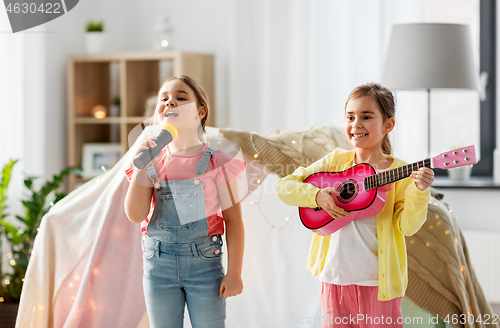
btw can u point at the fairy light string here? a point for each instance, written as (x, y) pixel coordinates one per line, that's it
(258, 204)
(288, 217)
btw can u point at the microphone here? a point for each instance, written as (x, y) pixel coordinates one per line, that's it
(166, 135)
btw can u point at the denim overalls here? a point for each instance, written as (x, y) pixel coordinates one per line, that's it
(181, 263)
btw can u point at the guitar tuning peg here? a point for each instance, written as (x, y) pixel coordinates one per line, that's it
(455, 161)
(455, 152)
(445, 163)
(467, 159)
(445, 155)
(466, 151)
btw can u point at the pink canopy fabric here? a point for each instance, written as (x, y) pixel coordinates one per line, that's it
(86, 266)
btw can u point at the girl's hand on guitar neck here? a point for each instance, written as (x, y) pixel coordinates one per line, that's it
(324, 199)
(423, 178)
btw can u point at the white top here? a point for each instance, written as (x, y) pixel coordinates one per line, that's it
(351, 257)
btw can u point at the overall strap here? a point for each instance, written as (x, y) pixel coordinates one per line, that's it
(200, 169)
(152, 174)
(204, 161)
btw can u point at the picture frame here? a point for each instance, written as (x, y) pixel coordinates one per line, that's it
(96, 156)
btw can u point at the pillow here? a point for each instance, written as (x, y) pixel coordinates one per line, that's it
(284, 151)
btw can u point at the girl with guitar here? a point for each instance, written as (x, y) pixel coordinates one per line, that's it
(363, 265)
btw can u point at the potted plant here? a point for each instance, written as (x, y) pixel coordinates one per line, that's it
(115, 106)
(20, 237)
(94, 38)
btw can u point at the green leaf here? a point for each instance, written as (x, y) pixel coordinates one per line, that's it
(4, 184)
(20, 239)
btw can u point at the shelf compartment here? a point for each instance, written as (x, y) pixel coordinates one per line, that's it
(91, 133)
(92, 87)
(142, 82)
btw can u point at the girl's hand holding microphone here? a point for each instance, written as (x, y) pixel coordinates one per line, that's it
(152, 146)
(140, 174)
(147, 144)
(325, 200)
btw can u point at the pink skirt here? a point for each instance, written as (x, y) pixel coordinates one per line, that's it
(358, 306)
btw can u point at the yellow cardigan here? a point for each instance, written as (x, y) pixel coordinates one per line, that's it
(404, 212)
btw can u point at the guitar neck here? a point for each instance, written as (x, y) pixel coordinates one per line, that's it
(390, 176)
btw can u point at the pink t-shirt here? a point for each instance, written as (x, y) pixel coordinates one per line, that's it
(180, 167)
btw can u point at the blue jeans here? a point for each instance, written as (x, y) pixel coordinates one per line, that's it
(189, 273)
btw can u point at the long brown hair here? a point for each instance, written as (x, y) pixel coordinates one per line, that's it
(386, 103)
(200, 94)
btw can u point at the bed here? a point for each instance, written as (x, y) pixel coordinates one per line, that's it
(86, 270)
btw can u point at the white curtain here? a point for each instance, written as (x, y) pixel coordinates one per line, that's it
(11, 91)
(22, 107)
(294, 63)
(11, 105)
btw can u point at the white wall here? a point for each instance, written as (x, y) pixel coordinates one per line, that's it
(203, 26)
(200, 26)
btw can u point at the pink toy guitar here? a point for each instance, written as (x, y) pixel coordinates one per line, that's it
(360, 188)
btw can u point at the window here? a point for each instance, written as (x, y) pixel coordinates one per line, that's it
(458, 117)
(488, 120)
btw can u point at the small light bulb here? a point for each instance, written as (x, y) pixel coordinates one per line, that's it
(287, 219)
(255, 156)
(99, 111)
(274, 228)
(103, 168)
(12, 262)
(258, 180)
(294, 142)
(164, 43)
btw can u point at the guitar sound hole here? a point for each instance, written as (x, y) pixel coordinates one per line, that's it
(348, 191)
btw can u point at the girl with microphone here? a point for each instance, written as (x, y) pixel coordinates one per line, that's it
(183, 199)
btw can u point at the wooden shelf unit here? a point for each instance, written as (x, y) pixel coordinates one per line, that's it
(140, 75)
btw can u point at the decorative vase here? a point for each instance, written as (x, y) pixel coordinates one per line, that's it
(94, 42)
(8, 314)
(460, 173)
